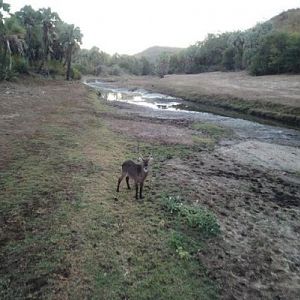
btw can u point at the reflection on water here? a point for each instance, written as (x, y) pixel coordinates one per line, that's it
(151, 100)
(112, 96)
(168, 106)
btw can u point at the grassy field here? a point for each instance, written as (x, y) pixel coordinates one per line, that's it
(64, 231)
(274, 97)
(208, 227)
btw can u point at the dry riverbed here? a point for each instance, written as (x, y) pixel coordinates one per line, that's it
(66, 233)
(273, 97)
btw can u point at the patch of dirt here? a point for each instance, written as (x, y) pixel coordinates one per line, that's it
(26, 106)
(271, 156)
(258, 253)
(161, 133)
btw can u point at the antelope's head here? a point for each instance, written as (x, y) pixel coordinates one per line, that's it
(145, 162)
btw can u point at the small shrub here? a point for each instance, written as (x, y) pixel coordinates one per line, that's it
(183, 254)
(200, 218)
(5, 73)
(178, 242)
(115, 70)
(82, 69)
(75, 74)
(20, 65)
(193, 216)
(56, 68)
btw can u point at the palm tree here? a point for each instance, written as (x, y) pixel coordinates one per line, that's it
(49, 21)
(11, 39)
(71, 40)
(31, 20)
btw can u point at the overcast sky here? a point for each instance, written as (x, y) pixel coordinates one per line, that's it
(130, 26)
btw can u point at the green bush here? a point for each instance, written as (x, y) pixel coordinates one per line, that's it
(115, 70)
(228, 59)
(277, 53)
(56, 68)
(20, 65)
(82, 69)
(75, 74)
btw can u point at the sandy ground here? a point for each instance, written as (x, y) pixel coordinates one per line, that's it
(21, 117)
(257, 256)
(161, 133)
(269, 156)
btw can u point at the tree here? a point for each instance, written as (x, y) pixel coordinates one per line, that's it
(147, 68)
(162, 67)
(71, 38)
(49, 21)
(11, 40)
(235, 45)
(228, 60)
(252, 39)
(293, 53)
(277, 53)
(31, 20)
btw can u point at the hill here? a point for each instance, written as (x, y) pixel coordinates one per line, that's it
(153, 53)
(287, 21)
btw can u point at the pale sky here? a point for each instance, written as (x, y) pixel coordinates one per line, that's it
(130, 26)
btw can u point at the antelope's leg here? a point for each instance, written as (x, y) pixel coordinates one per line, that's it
(127, 181)
(119, 181)
(141, 190)
(136, 190)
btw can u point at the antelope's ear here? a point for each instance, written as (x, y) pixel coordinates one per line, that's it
(140, 158)
(150, 158)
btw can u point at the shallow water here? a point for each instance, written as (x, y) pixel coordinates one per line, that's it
(164, 106)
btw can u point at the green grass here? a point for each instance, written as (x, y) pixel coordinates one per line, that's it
(194, 216)
(213, 131)
(38, 190)
(69, 234)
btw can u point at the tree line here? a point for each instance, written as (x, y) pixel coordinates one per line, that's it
(38, 41)
(96, 62)
(260, 50)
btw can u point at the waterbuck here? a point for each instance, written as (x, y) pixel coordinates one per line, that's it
(137, 172)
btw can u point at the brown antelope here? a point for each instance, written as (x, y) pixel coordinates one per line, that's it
(137, 172)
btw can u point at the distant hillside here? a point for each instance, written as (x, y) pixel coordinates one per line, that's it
(153, 53)
(288, 21)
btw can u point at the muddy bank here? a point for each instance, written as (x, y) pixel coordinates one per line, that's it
(269, 156)
(255, 197)
(257, 256)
